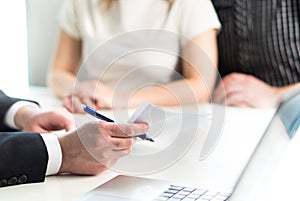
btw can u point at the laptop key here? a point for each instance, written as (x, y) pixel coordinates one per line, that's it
(174, 187)
(211, 193)
(161, 198)
(177, 196)
(188, 199)
(179, 193)
(184, 193)
(189, 189)
(221, 197)
(207, 197)
(193, 196)
(224, 194)
(199, 191)
(216, 199)
(202, 199)
(174, 199)
(165, 194)
(171, 191)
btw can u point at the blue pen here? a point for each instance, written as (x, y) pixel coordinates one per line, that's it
(92, 111)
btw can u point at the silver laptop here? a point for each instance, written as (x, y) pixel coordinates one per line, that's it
(275, 139)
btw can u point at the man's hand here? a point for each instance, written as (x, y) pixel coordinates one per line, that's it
(246, 91)
(34, 119)
(96, 146)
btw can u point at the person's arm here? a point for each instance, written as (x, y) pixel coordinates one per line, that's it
(23, 158)
(96, 146)
(88, 150)
(34, 119)
(62, 75)
(241, 90)
(199, 72)
(8, 104)
(20, 114)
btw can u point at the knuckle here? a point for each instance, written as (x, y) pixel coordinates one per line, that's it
(129, 131)
(109, 128)
(128, 143)
(124, 129)
(127, 151)
(118, 143)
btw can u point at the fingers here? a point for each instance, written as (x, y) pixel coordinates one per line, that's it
(69, 126)
(65, 118)
(111, 135)
(67, 103)
(219, 94)
(122, 144)
(236, 99)
(222, 89)
(87, 101)
(76, 105)
(35, 128)
(123, 130)
(102, 103)
(50, 120)
(73, 103)
(231, 87)
(120, 136)
(60, 118)
(95, 145)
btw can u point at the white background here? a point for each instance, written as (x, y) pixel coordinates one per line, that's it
(13, 46)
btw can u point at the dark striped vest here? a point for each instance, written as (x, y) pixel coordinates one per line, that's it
(260, 38)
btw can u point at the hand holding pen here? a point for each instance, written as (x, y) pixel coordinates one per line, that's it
(97, 114)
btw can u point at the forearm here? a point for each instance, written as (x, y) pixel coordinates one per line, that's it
(181, 92)
(64, 68)
(62, 83)
(199, 72)
(8, 109)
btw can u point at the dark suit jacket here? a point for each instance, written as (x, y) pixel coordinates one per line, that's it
(23, 156)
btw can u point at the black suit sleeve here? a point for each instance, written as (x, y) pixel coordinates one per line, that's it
(23, 158)
(5, 103)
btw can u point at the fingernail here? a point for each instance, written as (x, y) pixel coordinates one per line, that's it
(97, 107)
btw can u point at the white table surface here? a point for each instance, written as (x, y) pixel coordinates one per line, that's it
(241, 126)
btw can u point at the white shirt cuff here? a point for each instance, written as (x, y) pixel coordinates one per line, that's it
(54, 153)
(9, 118)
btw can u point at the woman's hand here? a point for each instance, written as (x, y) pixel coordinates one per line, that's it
(92, 93)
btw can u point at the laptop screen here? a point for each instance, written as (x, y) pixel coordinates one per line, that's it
(269, 151)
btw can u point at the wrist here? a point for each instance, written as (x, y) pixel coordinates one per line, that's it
(25, 114)
(75, 157)
(67, 144)
(64, 146)
(281, 91)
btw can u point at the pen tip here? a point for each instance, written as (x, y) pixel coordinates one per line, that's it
(150, 139)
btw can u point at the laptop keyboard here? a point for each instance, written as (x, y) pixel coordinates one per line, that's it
(176, 193)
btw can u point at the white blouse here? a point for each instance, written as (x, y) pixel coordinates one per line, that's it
(135, 43)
